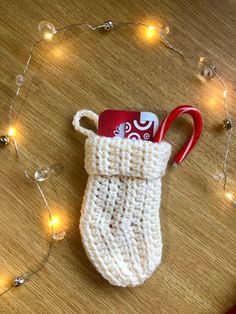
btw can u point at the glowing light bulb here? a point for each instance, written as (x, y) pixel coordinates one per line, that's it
(151, 31)
(57, 228)
(225, 93)
(47, 36)
(47, 30)
(54, 221)
(12, 132)
(230, 197)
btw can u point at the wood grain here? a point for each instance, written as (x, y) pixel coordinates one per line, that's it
(118, 69)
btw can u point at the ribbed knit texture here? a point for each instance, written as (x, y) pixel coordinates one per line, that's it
(120, 225)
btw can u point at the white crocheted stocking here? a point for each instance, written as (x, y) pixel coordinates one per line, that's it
(120, 225)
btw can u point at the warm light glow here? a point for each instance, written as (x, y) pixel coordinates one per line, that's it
(151, 31)
(57, 222)
(225, 93)
(11, 132)
(48, 36)
(4, 280)
(229, 196)
(212, 102)
(54, 221)
(57, 52)
(202, 59)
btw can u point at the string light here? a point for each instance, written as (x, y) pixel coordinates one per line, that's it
(208, 71)
(151, 31)
(54, 221)
(5, 139)
(230, 197)
(47, 36)
(12, 132)
(47, 31)
(201, 60)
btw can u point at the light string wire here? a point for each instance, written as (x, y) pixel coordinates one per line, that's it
(22, 279)
(51, 225)
(52, 32)
(230, 131)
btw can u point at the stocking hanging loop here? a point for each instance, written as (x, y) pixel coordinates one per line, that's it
(87, 114)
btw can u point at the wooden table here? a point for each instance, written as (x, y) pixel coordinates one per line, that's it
(119, 69)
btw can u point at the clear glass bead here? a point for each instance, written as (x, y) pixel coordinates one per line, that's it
(20, 80)
(42, 174)
(46, 29)
(206, 68)
(59, 235)
(165, 29)
(219, 176)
